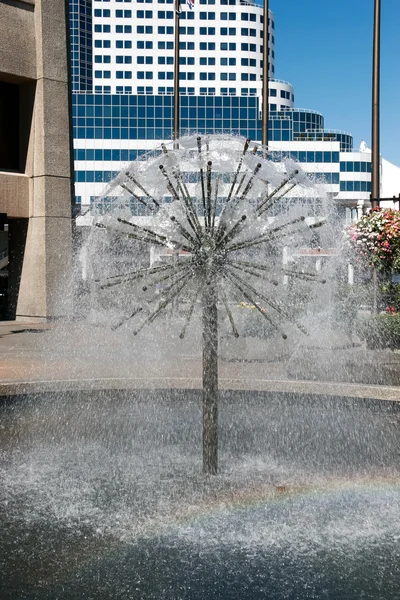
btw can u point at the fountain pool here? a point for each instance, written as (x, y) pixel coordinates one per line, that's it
(102, 497)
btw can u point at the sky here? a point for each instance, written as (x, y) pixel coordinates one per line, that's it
(324, 49)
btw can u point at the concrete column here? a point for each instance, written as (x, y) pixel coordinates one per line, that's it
(44, 288)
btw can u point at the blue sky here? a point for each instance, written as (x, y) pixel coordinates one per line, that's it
(324, 49)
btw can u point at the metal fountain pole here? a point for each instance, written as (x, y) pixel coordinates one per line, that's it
(265, 115)
(210, 377)
(210, 328)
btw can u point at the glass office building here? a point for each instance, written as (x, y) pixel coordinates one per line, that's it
(122, 54)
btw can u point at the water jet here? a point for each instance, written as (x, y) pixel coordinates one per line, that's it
(216, 225)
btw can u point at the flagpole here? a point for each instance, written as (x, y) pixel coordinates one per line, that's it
(265, 115)
(176, 76)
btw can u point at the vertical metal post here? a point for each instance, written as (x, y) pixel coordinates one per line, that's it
(210, 378)
(176, 75)
(375, 176)
(265, 112)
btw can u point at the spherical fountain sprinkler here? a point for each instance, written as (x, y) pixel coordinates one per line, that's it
(215, 224)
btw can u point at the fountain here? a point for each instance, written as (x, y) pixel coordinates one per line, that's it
(104, 493)
(218, 225)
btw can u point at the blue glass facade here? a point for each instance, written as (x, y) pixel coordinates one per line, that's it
(81, 40)
(149, 117)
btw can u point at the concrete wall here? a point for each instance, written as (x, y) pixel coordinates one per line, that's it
(33, 55)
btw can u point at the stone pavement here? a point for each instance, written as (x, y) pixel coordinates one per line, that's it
(78, 355)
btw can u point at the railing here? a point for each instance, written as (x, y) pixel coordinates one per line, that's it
(258, 3)
(280, 81)
(306, 110)
(340, 131)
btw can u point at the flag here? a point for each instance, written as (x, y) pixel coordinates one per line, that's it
(190, 4)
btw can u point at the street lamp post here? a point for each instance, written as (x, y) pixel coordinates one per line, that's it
(375, 175)
(265, 116)
(176, 75)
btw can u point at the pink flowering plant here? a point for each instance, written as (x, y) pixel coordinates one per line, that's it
(374, 240)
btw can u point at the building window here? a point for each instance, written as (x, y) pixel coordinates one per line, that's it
(102, 28)
(187, 15)
(207, 30)
(9, 127)
(98, 12)
(102, 74)
(207, 60)
(183, 60)
(210, 16)
(228, 31)
(207, 45)
(124, 29)
(123, 14)
(102, 59)
(225, 46)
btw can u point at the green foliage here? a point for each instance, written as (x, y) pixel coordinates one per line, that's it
(380, 331)
(390, 296)
(348, 301)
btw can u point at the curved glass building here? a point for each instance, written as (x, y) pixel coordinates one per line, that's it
(122, 54)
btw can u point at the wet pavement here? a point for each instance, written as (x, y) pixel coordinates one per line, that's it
(79, 355)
